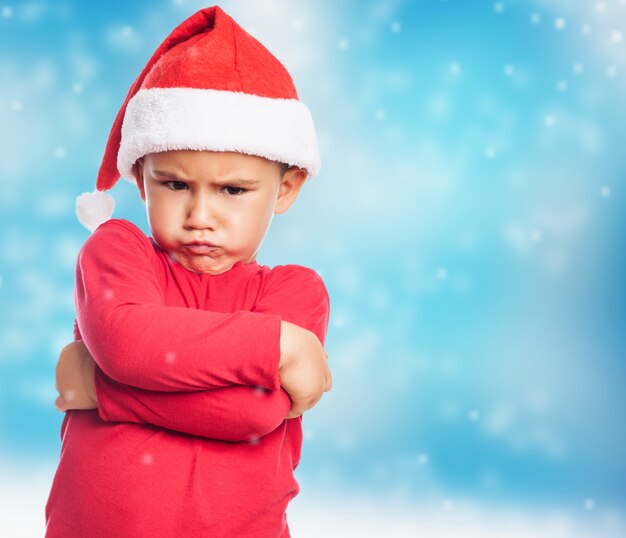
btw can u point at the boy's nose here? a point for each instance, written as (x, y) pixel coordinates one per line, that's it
(200, 212)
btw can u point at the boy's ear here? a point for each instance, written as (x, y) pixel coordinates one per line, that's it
(290, 186)
(138, 173)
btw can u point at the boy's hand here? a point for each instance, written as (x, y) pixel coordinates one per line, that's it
(303, 368)
(75, 378)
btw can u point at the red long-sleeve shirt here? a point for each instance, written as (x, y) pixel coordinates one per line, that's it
(189, 438)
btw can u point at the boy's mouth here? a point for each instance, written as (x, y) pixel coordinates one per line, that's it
(199, 247)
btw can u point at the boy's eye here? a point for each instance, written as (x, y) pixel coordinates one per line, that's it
(234, 190)
(176, 185)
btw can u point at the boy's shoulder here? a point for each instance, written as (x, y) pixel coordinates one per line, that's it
(293, 271)
(302, 296)
(122, 226)
(296, 279)
(114, 230)
(118, 238)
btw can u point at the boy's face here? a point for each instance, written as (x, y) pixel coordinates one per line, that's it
(209, 210)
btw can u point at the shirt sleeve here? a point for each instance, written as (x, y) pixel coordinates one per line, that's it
(299, 296)
(240, 413)
(237, 413)
(136, 340)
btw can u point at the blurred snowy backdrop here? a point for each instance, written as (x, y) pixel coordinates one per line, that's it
(466, 221)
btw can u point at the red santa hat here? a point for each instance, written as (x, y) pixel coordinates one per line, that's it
(209, 86)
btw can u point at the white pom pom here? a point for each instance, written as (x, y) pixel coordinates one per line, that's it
(94, 208)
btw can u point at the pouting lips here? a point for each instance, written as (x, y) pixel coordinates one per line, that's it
(200, 248)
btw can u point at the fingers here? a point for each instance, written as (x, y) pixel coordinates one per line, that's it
(328, 382)
(300, 406)
(60, 404)
(305, 395)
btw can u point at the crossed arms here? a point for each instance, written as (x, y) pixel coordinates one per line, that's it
(228, 376)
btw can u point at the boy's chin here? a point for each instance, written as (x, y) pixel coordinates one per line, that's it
(203, 264)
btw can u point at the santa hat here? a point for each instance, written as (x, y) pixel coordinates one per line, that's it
(209, 86)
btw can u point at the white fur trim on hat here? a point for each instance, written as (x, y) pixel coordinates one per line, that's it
(164, 119)
(94, 208)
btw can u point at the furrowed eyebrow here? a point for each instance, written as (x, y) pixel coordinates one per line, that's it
(170, 175)
(239, 182)
(235, 182)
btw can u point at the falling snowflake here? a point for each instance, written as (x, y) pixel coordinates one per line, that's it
(559, 23)
(589, 504)
(343, 44)
(260, 391)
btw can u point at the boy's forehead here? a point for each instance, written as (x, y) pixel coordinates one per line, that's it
(188, 162)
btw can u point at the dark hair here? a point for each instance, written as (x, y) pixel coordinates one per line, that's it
(283, 168)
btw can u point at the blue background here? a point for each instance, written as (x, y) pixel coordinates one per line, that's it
(466, 222)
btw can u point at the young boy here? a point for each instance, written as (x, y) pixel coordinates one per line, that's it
(193, 363)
